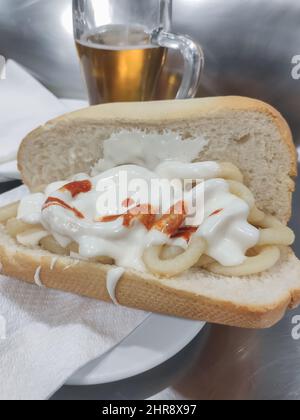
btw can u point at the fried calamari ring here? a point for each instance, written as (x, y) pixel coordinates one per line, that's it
(174, 266)
(268, 256)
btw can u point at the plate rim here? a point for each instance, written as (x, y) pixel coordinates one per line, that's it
(157, 361)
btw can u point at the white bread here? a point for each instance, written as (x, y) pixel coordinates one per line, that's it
(248, 133)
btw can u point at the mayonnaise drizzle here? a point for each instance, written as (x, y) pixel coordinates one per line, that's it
(225, 227)
(147, 149)
(53, 263)
(177, 169)
(224, 224)
(112, 280)
(37, 277)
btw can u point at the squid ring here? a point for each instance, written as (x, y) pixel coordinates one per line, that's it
(267, 258)
(174, 266)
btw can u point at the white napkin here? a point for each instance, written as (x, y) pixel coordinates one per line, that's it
(50, 334)
(24, 105)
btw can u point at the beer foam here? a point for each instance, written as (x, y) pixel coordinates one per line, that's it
(118, 38)
(123, 47)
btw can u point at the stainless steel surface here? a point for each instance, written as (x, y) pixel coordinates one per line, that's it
(249, 46)
(39, 35)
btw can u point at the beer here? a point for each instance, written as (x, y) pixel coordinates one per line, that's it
(121, 65)
(168, 84)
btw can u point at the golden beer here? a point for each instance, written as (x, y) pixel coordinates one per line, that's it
(121, 65)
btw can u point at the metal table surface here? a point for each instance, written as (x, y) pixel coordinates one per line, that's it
(249, 46)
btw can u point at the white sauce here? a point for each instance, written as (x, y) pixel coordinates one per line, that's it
(223, 222)
(32, 208)
(37, 278)
(147, 150)
(53, 262)
(31, 239)
(112, 280)
(228, 234)
(198, 170)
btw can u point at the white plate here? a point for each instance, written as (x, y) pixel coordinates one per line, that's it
(155, 341)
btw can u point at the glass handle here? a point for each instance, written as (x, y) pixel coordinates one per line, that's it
(193, 59)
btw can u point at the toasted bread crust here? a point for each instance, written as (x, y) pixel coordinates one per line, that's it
(138, 290)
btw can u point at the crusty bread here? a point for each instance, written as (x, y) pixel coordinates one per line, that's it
(248, 133)
(244, 131)
(249, 302)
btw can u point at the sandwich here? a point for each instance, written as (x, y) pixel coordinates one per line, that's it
(175, 207)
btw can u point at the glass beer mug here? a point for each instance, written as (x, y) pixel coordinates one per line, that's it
(123, 46)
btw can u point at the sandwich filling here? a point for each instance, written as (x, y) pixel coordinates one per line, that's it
(155, 213)
(122, 227)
